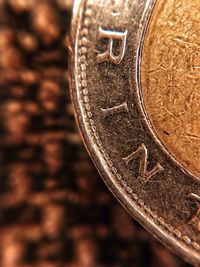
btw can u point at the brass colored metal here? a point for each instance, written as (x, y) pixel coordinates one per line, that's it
(170, 75)
(135, 84)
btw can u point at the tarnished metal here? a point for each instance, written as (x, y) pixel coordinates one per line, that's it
(119, 49)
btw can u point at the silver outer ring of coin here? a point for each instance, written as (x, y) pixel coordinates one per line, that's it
(87, 16)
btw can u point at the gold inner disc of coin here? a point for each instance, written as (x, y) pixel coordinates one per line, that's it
(170, 79)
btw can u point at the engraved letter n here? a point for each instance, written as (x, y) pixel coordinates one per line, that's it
(142, 154)
(109, 55)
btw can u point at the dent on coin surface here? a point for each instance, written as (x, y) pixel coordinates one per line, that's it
(170, 79)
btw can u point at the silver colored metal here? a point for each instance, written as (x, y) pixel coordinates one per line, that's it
(106, 45)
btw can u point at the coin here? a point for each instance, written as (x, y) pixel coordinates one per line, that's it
(170, 76)
(134, 79)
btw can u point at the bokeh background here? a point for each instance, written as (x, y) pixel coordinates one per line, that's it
(55, 210)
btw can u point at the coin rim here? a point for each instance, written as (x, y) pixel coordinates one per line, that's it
(154, 228)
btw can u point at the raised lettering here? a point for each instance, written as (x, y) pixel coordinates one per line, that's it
(109, 54)
(116, 109)
(142, 154)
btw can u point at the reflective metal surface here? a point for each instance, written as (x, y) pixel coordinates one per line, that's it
(112, 79)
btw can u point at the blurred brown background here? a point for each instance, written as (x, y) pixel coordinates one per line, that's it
(55, 211)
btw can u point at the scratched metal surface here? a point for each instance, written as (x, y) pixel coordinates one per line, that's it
(170, 79)
(54, 209)
(106, 93)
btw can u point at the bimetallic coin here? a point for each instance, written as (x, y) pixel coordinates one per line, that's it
(170, 74)
(135, 88)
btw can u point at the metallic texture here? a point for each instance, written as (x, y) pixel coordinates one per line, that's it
(171, 79)
(107, 40)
